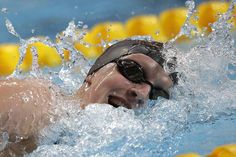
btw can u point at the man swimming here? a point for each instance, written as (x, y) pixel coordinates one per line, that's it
(127, 74)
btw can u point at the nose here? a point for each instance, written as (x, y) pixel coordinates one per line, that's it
(139, 91)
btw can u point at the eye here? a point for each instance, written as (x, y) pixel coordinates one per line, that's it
(131, 70)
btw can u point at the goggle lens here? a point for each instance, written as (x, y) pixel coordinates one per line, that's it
(135, 73)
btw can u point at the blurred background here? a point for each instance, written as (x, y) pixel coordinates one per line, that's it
(48, 17)
(106, 20)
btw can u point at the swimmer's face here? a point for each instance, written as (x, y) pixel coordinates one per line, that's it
(109, 86)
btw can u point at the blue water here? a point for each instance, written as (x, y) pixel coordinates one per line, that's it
(189, 123)
(204, 137)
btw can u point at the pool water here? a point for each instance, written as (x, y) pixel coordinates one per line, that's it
(200, 115)
(204, 137)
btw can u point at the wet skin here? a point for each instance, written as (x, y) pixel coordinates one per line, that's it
(108, 86)
(24, 111)
(26, 117)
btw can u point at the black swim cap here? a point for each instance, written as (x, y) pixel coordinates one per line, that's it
(127, 47)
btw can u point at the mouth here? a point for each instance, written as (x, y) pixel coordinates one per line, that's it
(118, 101)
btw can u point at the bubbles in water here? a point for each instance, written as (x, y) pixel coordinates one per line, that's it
(102, 129)
(204, 93)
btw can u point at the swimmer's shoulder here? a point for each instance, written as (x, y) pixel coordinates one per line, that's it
(27, 90)
(25, 109)
(27, 102)
(12, 87)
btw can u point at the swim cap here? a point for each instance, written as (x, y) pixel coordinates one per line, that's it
(127, 47)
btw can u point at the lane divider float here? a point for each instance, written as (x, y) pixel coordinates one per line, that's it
(162, 27)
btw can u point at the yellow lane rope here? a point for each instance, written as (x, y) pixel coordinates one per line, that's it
(160, 27)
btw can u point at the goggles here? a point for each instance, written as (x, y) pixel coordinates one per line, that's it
(134, 72)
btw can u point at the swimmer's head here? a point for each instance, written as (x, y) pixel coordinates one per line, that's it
(127, 47)
(127, 74)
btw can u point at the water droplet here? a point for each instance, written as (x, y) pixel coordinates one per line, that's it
(3, 140)
(80, 23)
(157, 33)
(4, 10)
(10, 28)
(85, 26)
(190, 4)
(99, 34)
(25, 98)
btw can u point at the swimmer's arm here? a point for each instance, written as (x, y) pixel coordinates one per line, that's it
(24, 108)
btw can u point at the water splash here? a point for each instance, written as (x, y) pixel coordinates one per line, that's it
(4, 10)
(188, 29)
(4, 140)
(204, 93)
(114, 132)
(10, 28)
(70, 73)
(203, 72)
(36, 71)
